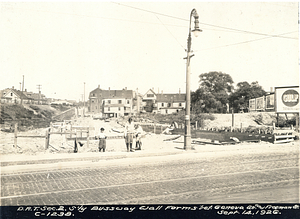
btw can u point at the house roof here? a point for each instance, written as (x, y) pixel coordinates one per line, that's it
(19, 93)
(150, 90)
(170, 97)
(35, 96)
(112, 94)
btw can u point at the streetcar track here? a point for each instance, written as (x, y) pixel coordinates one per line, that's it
(91, 176)
(101, 167)
(165, 196)
(148, 182)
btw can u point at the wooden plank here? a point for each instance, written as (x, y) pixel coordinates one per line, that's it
(53, 147)
(47, 139)
(93, 138)
(284, 136)
(88, 139)
(174, 138)
(207, 142)
(16, 135)
(83, 128)
(279, 131)
(284, 141)
(33, 136)
(62, 133)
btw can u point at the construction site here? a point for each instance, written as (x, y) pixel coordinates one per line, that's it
(63, 130)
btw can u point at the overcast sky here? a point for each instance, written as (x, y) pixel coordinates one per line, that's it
(142, 45)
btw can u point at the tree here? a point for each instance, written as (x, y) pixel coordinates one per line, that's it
(214, 90)
(239, 99)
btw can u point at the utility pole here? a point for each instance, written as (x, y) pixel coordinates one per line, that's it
(187, 129)
(22, 91)
(138, 101)
(39, 89)
(83, 99)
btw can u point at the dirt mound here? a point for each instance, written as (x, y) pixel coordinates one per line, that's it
(241, 120)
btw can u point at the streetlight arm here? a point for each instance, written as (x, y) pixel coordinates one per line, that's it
(195, 15)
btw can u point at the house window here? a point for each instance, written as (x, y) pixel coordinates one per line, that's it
(11, 94)
(119, 108)
(108, 108)
(93, 95)
(150, 95)
(162, 104)
(92, 101)
(103, 101)
(180, 104)
(109, 101)
(120, 101)
(166, 111)
(169, 104)
(128, 102)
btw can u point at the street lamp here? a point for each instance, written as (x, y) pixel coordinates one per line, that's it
(196, 31)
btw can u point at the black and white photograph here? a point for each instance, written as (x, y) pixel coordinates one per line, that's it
(157, 109)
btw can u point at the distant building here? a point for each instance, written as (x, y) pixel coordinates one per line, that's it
(163, 103)
(113, 103)
(61, 102)
(149, 100)
(37, 98)
(11, 95)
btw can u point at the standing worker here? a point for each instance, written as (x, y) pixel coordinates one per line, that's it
(102, 140)
(139, 133)
(128, 134)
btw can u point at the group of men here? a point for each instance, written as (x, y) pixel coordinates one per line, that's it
(131, 131)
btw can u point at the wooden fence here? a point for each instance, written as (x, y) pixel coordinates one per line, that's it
(80, 133)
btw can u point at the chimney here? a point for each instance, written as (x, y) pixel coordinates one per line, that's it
(13, 87)
(271, 89)
(99, 86)
(125, 88)
(162, 91)
(109, 88)
(179, 90)
(25, 90)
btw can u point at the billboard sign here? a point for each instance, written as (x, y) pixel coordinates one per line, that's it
(252, 105)
(260, 103)
(287, 99)
(270, 101)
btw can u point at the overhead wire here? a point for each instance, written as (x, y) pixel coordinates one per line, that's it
(170, 32)
(212, 25)
(248, 41)
(161, 14)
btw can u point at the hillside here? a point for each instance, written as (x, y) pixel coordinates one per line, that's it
(28, 116)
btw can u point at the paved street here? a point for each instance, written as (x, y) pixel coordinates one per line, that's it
(243, 178)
